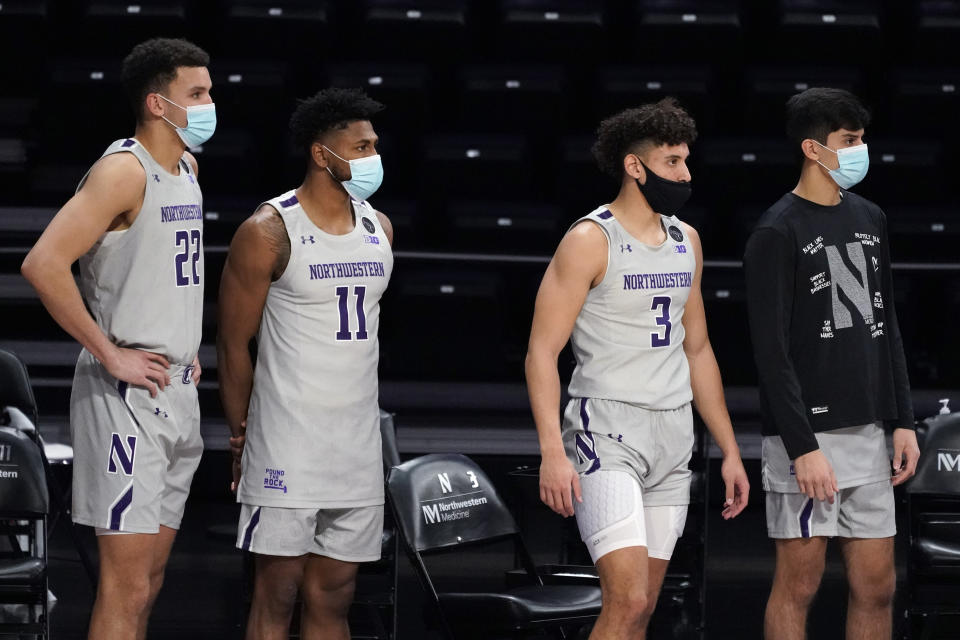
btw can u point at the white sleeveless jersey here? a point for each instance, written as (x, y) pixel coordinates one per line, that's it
(628, 336)
(313, 424)
(144, 284)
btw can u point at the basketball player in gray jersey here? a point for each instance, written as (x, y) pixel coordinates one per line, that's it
(136, 226)
(304, 277)
(624, 287)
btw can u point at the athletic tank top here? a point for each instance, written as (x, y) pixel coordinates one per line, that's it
(628, 337)
(313, 424)
(144, 284)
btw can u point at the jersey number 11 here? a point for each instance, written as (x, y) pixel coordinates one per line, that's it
(343, 296)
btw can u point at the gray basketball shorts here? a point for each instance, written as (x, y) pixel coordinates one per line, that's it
(866, 511)
(134, 456)
(654, 447)
(864, 508)
(351, 534)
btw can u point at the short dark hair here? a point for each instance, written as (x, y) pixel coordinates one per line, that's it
(664, 122)
(332, 108)
(152, 65)
(819, 111)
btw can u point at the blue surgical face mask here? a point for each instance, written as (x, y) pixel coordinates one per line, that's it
(201, 123)
(853, 165)
(366, 175)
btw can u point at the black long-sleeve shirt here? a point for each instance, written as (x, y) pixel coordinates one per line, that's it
(825, 335)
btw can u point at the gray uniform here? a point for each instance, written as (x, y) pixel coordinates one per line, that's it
(136, 455)
(628, 337)
(630, 391)
(313, 424)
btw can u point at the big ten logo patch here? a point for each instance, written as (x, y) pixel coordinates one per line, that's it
(455, 506)
(273, 479)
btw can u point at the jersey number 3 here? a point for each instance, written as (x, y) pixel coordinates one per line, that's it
(187, 239)
(343, 296)
(663, 303)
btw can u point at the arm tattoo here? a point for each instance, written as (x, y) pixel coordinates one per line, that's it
(275, 232)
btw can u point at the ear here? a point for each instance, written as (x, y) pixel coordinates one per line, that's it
(318, 155)
(155, 106)
(811, 150)
(633, 168)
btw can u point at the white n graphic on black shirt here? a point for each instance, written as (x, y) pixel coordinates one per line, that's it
(842, 278)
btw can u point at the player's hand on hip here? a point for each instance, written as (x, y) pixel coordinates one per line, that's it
(815, 476)
(236, 453)
(736, 484)
(140, 368)
(196, 370)
(904, 445)
(558, 480)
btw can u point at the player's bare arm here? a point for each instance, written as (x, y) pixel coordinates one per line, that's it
(108, 201)
(707, 389)
(258, 256)
(579, 264)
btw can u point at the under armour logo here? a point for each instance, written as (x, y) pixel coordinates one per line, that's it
(156, 178)
(160, 412)
(306, 239)
(626, 247)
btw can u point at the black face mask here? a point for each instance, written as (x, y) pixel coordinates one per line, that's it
(664, 196)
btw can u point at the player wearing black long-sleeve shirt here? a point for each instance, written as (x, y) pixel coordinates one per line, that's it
(828, 345)
(832, 373)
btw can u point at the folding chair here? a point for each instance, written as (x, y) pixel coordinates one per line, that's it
(933, 507)
(16, 392)
(443, 502)
(24, 504)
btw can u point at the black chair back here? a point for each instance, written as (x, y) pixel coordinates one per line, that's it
(15, 389)
(938, 472)
(444, 500)
(23, 480)
(388, 438)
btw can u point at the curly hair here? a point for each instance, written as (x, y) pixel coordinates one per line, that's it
(664, 122)
(819, 111)
(152, 65)
(332, 108)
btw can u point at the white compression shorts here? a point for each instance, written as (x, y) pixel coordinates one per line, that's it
(612, 516)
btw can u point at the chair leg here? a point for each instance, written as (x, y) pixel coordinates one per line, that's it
(85, 560)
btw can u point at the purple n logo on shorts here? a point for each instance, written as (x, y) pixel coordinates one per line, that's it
(119, 453)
